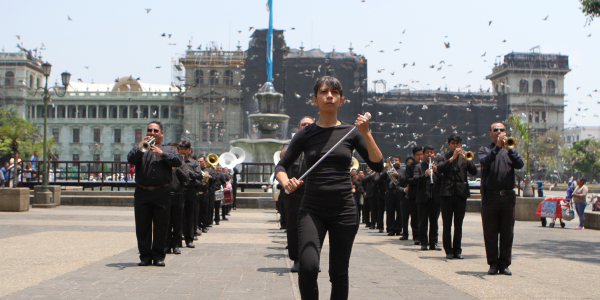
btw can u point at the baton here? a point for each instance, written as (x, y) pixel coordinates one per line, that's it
(367, 115)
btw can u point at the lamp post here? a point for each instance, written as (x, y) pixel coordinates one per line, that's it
(65, 77)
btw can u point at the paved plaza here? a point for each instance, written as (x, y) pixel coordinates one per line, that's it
(90, 252)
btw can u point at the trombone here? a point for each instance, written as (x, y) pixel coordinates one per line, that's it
(146, 146)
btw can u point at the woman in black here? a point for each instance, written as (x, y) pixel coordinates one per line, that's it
(328, 204)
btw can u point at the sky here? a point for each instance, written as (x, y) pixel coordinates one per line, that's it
(109, 39)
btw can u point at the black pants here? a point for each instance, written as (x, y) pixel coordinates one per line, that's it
(366, 210)
(311, 234)
(190, 207)
(429, 213)
(359, 206)
(409, 209)
(498, 218)
(200, 212)
(453, 206)
(281, 206)
(217, 208)
(393, 211)
(292, 206)
(211, 206)
(234, 193)
(540, 193)
(174, 231)
(380, 211)
(373, 209)
(152, 209)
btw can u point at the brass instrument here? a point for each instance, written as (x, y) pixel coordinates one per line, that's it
(355, 165)
(468, 156)
(212, 160)
(146, 146)
(205, 179)
(391, 169)
(509, 142)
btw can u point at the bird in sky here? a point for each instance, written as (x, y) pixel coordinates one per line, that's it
(590, 35)
(469, 72)
(589, 95)
(87, 67)
(250, 29)
(18, 37)
(69, 18)
(404, 65)
(397, 49)
(79, 80)
(164, 34)
(413, 64)
(482, 55)
(442, 62)
(546, 18)
(293, 28)
(403, 31)
(158, 67)
(380, 70)
(170, 35)
(447, 45)
(381, 51)
(490, 23)
(432, 66)
(504, 41)
(392, 73)
(148, 10)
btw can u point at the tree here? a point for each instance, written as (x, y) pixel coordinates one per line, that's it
(591, 9)
(16, 129)
(547, 150)
(522, 130)
(585, 156)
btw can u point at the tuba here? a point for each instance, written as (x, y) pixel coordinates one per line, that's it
(510, 142)
(146, 146)
(355, 165)
(212, 160)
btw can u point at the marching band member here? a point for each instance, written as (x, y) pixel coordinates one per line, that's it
(428, 198)
(409, 206)
(181, 176)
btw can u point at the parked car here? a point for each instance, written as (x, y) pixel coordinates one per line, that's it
(475, 184)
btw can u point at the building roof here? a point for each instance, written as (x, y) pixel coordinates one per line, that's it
(123, 84)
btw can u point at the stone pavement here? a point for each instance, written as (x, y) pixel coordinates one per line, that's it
(90, 252)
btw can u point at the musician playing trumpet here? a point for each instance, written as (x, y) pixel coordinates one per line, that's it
(428, 181)
(454, 167)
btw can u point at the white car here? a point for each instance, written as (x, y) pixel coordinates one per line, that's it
(475, 183)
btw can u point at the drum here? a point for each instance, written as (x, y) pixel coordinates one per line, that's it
(219, 195)
(227, 196)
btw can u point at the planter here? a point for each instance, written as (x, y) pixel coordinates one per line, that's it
(592, 220)
(525, 208)
(14, 199)
(39, 199)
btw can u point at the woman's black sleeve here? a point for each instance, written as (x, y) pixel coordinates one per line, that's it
(361, 148)
(292, 153)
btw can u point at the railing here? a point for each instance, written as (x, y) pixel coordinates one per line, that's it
(255, 174)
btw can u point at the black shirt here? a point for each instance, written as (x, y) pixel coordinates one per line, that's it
(426, 190)
(180, 177)
(152, 169)
(409, 174)
(195, 173)
(297, 169)
(499, 167)
(455, 180)
(332, 175)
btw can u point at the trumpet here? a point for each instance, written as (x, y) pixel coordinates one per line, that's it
(509, 142)
(146, 146)
(468, 156)
(212, 160)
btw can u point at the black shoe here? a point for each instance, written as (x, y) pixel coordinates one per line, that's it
(159, 263)
(493, 270)
(176, 250)
(167, 250)
(216, 222)
(144, 263)
(204, 230)
(417, 243)
(398, 233)
(367, 225)
(195, 238)
(190, 245)
(423, 247)
(198, 232)
(449, 256)
(380, 230)
(295, 267)
(209, 225)
(287, 247)
(234, 208)
(372, 227)
(458, 256)
(435, 247)
(225, 219)
(228, 214)
(391, 234)
(505, 271)
(403, 238)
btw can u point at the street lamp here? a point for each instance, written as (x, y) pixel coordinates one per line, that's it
(65, 77)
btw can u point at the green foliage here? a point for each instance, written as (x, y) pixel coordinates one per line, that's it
(548, 149)
(591, 9)
(523, 133)
(17, 132)
(584, 156)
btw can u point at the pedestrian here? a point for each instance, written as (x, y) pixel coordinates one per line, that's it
(579, 195)
(33, 160)
(540, 186)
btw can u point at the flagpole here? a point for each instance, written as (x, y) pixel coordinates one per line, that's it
(270, 43)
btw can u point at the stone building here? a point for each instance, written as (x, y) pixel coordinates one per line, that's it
(534, 85)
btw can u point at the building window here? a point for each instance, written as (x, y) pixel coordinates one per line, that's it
(544, 117)
(578, 137)
(228, 78)
(97, 135)
(214, 77)
(138, 136)
(75, 135)
(205, 132)
(9, 79)
(537, 86)
(165, 113)
(124, 113)
(523, 86)
(104, 112)
(530, 117)
(117, 135)
(199, 77)
(30, 81)
(117, 157)
(537, 116)
(568, 139)
(96, 157)
(75, 157)
(114, 113)
(55, 134)
(93, 112)
(550, 87)
(145, 113)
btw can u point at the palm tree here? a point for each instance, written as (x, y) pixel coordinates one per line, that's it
(523, 132)
(15, 129)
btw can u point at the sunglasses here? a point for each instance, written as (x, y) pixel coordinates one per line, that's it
(499, 129)
(153, 129)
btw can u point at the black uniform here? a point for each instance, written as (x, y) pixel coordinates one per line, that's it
(498, 202)
(409, 205)
(428, 202)
(381, 184)
(292, 206)
(152, 199)
(203, 201)
(234, 186)
(393, 200)
(455, 191)
(370, 188)
(191, 196)
(358, 196)
(218, 182)
(175, 229)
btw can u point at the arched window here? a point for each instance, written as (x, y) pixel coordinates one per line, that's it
(165, 113)
(550, 87)
(9, 79)
(228, 78)
(30, 81)
(523, 86)
(37, 82)
(214, 77)
(497, 90)
(199, 77)
(114, 113)
(537, 86)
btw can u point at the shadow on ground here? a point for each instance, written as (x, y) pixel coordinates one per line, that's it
(278, 271)
(583, 251)
(122, 266)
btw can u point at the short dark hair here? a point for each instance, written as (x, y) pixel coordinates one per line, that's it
(417, 149)
(202, 156)
(454, 137)
(409, 158)
(398, 157)
(173, 144)
(583, 179)
(185, 144)
(305, 117)
(157, 123)
(497, 122)
(331, 82)
(428, 147)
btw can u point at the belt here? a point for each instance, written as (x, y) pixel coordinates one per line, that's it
(200, 193)
(152, 188)
(501, 192)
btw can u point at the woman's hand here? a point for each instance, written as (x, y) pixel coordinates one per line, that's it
(362, 124)
(292, 184)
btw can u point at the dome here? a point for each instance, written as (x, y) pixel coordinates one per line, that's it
(127, 84)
